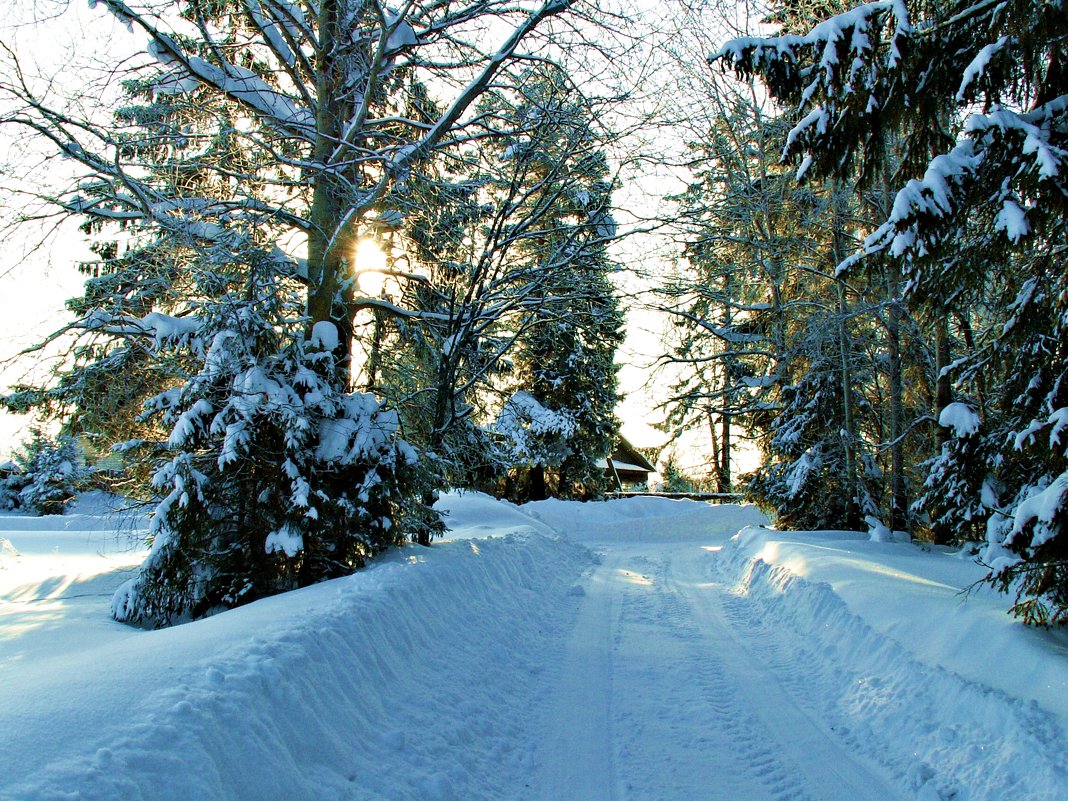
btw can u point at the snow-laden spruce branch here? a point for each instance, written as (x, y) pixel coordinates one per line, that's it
(846, 79)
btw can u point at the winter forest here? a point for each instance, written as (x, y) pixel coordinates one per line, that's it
(349, 255)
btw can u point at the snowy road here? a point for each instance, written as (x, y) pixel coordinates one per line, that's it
(635, 650)
(664, 696)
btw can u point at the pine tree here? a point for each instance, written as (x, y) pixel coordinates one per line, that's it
(298, 481)
(766, 338)
(567, 343)
(50, 473)
(974, 91)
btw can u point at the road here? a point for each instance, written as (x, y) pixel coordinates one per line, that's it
(668, 692)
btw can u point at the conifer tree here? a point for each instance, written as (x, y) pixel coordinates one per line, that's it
(975, 92)
(566, 345)
(261, 141)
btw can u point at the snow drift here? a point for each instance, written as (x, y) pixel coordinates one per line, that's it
(355, 688)
(941, 688)
(439, 673)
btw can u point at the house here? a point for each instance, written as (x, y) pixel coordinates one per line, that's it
(627, 469)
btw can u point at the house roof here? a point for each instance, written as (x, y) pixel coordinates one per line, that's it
(627, 457)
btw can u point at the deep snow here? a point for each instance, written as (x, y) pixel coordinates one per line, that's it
(632, 649)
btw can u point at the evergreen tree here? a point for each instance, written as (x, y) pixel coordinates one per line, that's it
(980, 86)
(259, 144)
(566, 345)
(766, 338)
(50, 473)
(298, 482)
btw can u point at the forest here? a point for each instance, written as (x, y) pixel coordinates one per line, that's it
(349, 255)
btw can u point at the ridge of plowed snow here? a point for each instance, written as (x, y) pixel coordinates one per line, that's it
(881, 690)
(308, 695)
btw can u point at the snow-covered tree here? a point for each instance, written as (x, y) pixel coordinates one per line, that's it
(50, 473)
(276, 477)
(505, 247)
(260, 141)
(975, 94)
(567, 341)
(765, 339)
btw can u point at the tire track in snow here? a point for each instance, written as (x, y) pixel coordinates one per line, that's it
(743, 765)
(577, 761)
(659, 700)
(801, 756)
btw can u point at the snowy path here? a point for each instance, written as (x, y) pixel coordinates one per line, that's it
(633, 650)
(661, 697)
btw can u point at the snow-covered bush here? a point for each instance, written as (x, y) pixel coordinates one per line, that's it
(534, 438)
(277, 478)
(535, 434)
(50, 472)
(12, 483)
(673, 479)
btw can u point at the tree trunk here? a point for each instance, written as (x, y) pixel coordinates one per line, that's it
(849, 438)
(724, 466)
(717, 451)
(332, 238)
(941, 533)
(537, 483)
(724, 483)
(898, 487)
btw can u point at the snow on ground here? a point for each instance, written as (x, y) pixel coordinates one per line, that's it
(634, 649)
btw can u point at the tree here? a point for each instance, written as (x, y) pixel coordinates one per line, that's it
(974, 91)
(566, 349)
(261, 141)
(50, 473)
(767, 340)
(277, 479)
(509, 271)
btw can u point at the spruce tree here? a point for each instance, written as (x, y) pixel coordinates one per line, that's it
(566, 346)
(975, 92)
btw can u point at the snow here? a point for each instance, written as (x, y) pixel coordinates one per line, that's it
(643, 648)
(1012, 220)
(286, 540)
(401, 33)
(961, 417)
(324, 336)
(1040, 507)
(979, 64)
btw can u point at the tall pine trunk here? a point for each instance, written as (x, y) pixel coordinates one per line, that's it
(332, 234)
(898, 486)
(940, 532)
(850, 477)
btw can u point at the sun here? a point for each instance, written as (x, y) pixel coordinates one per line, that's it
(371, 264)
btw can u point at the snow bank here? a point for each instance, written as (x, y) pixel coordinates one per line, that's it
(942, 688)
(428, 675)
(641, 517)
(360, 687)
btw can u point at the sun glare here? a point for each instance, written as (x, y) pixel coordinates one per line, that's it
(370, 267)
